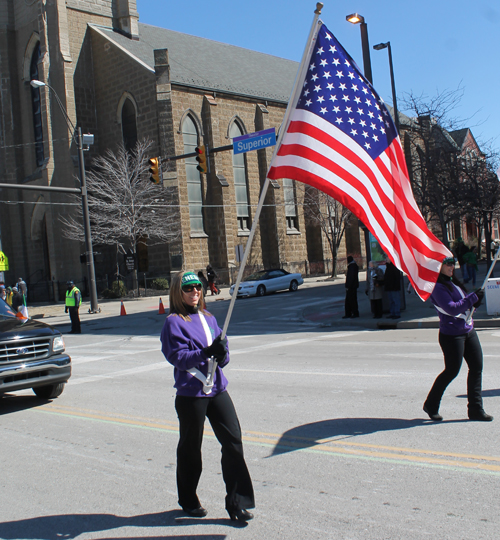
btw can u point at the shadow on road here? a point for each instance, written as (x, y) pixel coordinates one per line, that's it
(318, 433)
(494, 392)
(73, 525)
(11, 403)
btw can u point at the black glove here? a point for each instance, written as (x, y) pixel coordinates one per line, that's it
(480, 296)
(218, 349)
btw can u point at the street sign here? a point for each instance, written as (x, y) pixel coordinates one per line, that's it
(254, 141)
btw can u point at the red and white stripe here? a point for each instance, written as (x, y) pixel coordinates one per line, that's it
(377, 191)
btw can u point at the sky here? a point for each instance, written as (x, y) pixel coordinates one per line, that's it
(437, 46)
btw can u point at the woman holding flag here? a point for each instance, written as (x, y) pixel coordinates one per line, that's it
(458, 340)
(191, 342)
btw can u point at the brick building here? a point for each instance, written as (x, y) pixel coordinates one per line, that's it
(124, 81)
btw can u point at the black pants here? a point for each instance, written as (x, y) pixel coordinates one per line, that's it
(454, 349)
(377, 308)
(351, 303)
(222, 416)
(75, 320)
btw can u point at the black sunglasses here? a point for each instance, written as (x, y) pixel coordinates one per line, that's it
(191, 288)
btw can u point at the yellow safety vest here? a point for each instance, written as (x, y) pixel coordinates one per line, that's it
(70, 297)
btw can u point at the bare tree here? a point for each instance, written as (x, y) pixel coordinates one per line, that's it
(480, 193)
(432, 155)
(331, 216)
(125, 208)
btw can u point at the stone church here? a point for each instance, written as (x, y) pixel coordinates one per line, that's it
(125, 81)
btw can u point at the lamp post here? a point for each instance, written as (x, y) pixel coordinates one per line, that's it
(356, 18)
(387, 46)
(85, 205)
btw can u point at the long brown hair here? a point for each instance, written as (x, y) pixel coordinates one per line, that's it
(177, 305)
(444, 280)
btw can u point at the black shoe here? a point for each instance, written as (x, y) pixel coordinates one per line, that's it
(347, 317)
(433, 416)
(240, 515)
(480, 416)
(196, 512)
(354, 316)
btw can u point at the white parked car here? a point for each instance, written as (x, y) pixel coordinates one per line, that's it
(267, 281)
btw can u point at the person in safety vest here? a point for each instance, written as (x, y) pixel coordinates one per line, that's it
(73, 303)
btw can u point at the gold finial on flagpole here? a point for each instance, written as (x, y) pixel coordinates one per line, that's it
(319, 7)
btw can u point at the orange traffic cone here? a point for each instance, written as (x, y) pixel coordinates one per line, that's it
(122, 309)
(161, 311)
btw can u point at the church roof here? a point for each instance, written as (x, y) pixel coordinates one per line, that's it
(209, 65)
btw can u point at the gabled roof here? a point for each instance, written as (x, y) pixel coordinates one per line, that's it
(459, 136)
(209, 65)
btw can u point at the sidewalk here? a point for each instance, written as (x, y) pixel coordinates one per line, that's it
(417, 314)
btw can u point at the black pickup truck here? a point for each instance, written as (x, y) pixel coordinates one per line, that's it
(31, 356)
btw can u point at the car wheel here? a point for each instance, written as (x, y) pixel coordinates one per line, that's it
(50, 391)
(294, 285)
(261, 290)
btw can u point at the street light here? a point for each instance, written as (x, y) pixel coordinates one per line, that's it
(387, 46)
(356, 18)
(85, 205)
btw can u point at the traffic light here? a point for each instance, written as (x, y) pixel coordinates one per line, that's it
(201, 158)
(154, 169)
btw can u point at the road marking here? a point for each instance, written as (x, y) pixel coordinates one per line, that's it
(283, 343)
(283, 443)
(140, 369)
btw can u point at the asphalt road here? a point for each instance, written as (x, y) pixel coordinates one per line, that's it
(336, 441)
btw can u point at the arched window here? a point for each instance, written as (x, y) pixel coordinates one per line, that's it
(36, 105)
(292, 223)
(195, 200)
(129, 125)
(240, 183)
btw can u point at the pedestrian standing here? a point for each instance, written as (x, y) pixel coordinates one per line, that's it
(458, 340)
(392, 286)
(460, 249)
(73, 303)
(17, 299)
(470, 259)
(204, 282)
(23, 289)
(375, 288)
(191, 342)
(10, 294)
(3, 293)
(212, 276)
(351, 293)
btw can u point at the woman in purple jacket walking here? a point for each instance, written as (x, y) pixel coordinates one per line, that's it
(191, 342)
(458, 340)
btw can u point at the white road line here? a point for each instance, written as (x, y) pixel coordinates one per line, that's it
(119, 353)
(140, 369)
(290, 342)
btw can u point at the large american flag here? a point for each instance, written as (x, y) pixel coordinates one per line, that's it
(341, 139)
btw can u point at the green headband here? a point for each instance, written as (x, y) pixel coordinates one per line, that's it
(189, 278)
(449, 260)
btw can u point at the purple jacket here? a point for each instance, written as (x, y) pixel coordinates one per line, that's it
(182, 343)
(452, 302)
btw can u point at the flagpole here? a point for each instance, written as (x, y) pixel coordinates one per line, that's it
(291, 103)
(486, 280)
(286, 119)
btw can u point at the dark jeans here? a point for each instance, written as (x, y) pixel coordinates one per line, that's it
(455, 348)
(222, 416)
(75, 320)
(351, 303)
